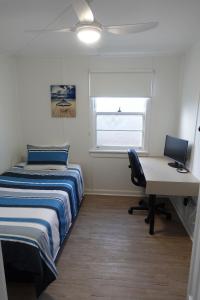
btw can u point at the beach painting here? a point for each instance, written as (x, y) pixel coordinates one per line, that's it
(63, 101)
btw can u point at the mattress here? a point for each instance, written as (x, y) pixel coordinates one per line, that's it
(37, 211)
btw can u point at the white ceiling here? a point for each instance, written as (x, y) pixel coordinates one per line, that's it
(179, 26)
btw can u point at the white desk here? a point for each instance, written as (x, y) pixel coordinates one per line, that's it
(162, 179)
(165, 180)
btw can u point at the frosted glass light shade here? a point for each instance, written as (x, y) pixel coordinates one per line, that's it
(89, 35)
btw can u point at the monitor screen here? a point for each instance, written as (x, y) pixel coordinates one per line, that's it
(176, 149)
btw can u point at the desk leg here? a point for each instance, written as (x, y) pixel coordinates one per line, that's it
(152, 200)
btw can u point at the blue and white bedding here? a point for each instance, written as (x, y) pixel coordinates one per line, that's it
(37, 208)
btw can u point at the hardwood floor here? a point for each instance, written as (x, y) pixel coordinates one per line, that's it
(110, 256)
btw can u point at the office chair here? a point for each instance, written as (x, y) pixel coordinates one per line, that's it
(138, 179)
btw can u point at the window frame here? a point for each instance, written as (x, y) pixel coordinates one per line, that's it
(120, 149)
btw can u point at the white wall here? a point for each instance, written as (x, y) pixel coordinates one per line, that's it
(190, 95)
(10, 131)
(109, 175)
(190, 101)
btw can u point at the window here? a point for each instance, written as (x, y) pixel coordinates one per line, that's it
(120, 103)
(120, 123)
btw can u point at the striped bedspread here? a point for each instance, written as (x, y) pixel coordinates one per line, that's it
(38, 207)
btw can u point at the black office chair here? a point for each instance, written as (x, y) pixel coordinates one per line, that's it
(138, 178)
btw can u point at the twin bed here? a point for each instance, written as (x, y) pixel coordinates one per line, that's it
(37, 210)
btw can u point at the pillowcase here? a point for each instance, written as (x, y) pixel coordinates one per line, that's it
(47, 155)
(45, 167)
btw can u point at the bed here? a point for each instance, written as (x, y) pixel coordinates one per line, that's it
(37, 210)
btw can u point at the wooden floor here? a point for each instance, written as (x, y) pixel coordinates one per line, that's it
(110, 256)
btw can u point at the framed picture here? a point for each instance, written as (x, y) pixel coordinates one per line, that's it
(63, 101)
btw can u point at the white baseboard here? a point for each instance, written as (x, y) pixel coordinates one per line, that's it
(182, 220)
(125, 193)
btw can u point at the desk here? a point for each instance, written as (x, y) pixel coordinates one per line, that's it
(164, 180)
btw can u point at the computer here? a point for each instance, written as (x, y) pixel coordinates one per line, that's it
(176, 149)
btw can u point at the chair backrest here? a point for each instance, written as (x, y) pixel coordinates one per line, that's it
(137, 174)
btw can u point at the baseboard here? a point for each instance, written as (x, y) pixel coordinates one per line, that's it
(182, 220)
(125, 193)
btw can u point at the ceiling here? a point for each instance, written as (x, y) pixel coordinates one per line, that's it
(179, 24)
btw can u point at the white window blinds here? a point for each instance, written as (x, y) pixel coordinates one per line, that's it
(120, 84)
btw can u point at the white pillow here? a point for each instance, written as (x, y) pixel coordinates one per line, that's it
(45, 167)
(50, 146)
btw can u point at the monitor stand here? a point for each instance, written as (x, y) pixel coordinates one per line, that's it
(175, 165)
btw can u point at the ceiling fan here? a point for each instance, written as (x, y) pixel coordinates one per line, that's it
(89, 30)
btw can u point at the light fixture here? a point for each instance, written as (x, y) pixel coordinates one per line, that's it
(88, 34)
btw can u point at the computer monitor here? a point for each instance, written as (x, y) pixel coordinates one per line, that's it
(176, 149)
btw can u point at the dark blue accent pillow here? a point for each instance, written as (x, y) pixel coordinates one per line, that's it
(47, 155)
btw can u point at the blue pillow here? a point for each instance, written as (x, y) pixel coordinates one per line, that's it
(47, 155)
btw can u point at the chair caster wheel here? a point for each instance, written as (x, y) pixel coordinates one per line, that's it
(130, 211)
(146, 220)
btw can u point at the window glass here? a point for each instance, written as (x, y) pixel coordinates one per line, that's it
(119, 138)
(122, 104)
(120, 122)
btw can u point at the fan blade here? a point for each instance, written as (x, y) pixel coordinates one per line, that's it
(50, 30)
(83, 11)
(125, 29)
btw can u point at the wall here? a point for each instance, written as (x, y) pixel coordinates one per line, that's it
(10, 130)
(9, 114)
(190, 101)
(102, 174)
(3, 290)
(190, 95)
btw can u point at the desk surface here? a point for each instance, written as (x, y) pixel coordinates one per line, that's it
(164, 180)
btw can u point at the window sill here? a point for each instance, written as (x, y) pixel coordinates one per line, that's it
(113, 153)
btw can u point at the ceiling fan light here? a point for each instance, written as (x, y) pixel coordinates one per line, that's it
(89, 34)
